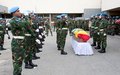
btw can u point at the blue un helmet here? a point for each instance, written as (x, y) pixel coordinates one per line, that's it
(102, 15)
(14, 9)
(97, 15)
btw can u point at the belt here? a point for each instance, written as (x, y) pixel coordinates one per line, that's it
(64, 28)
(27, 34)
(1, 31)
(96, 27)
(101, 29)
(18, 37)
(40, 27)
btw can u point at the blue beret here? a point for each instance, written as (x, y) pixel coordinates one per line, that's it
(13, 9)
(105, 15)
(97, 14)
(63, 14)
(58, 16)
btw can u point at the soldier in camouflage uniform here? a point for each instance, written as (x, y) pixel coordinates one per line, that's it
(62, 29)
(28, 44)
(34, 27)
(111, 27)
(2, 33)
(71, 26)
(94, 29)
(48, 28)
(103, 33)
(17, 44)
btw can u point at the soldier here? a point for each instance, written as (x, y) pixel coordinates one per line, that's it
(17, 44)
(2, 33)
(34, 27)
(103, 33)
(62, 29)
(28, 44)
(48, 28)
(111, 27)
(94, 29)
(71, 26)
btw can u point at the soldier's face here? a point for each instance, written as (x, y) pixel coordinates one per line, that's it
(18, 14)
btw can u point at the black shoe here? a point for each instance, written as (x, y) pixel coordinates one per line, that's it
(39, 51)
(93, 44)
(63, 52)
(31, 63)
(42, 43)
(98, 47)
(35, 57)
(102, 51)
(19, 74)
(59, 49)
(3, 49)
(0, 53)
(27, 66)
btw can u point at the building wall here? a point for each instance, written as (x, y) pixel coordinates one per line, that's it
(90, 12)
(53, 6)
(3, 9)
(110, 4)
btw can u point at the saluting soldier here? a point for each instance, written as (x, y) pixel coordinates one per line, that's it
(17, 44)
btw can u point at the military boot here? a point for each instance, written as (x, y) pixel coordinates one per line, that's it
(31, 63)
(63, 52)
(38, 50)
(2, 48)
(94, 44)
(58, 47)
(19, 74)
(102, 51)
(27, 66)
(98, 47)
(35, 57)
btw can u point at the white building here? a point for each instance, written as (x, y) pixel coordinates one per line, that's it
(84, 8)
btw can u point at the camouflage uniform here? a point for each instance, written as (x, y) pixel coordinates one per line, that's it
(61, 35)
(103, 35)
(17, 44)
(71, 26)
(58, 34)
(48, 28)
(111, 27)
(28, 43)
(94, 30)
(34, 27)
(2, 33)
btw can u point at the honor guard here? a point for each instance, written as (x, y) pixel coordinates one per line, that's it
(18, 41)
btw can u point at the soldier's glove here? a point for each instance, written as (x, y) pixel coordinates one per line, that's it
(40, 36)
(37, 30)
(38, 41)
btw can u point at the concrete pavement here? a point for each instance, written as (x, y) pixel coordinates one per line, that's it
(53, 63)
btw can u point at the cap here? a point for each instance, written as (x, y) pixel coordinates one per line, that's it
(13, 9)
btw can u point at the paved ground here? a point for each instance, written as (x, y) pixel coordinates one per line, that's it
(52, 63)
